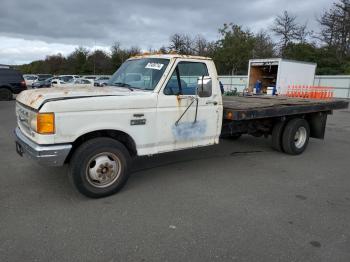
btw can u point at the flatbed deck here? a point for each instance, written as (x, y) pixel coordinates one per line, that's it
(238, 108)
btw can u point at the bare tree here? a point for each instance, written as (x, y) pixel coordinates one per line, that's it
(176, 42)
(163, 50)
(335, 27)
(286, 28)
(303, 33)
(263, 46)
(200, 45)
(181, 44)
(329, 25)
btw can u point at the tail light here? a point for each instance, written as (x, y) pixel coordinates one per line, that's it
(23, 84)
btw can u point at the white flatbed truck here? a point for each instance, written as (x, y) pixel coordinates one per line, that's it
(153, 104)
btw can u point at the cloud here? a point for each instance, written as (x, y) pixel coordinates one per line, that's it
(61, 25)
(19, 51)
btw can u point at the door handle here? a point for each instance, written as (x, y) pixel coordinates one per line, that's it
(211, 102)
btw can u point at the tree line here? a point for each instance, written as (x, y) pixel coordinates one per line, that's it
(329, 47)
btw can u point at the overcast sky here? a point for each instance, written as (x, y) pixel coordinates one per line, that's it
(32, 29)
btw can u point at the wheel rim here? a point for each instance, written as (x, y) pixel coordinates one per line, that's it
(300, 137)
(103, 169)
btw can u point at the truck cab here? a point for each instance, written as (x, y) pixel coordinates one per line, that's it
(152, 104)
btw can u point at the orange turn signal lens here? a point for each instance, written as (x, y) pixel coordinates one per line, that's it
(45, 123)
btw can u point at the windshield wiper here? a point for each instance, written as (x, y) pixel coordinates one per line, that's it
(120, 84)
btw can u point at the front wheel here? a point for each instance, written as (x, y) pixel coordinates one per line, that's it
(5, 94)
(99, 167)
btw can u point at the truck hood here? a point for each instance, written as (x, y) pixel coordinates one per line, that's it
(36, 97)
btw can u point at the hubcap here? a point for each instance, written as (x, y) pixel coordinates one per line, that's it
(103, 169)
(300, 137)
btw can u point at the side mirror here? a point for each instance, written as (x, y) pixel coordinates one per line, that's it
(204, 86)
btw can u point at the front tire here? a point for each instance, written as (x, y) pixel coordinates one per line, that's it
(99, 167)
(296, 136)
(5, 94)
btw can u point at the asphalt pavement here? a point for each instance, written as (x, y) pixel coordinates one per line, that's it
(237, 201)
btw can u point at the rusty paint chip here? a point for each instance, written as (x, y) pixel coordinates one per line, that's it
(36, 99)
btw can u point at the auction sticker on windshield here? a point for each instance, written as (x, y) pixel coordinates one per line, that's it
(156, 66)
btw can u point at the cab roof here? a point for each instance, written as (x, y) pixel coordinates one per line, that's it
(169, 56)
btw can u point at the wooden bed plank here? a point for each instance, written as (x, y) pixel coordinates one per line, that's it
(253, 107)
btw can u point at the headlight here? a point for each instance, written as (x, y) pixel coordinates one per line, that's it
(43, 123)
(32, 121)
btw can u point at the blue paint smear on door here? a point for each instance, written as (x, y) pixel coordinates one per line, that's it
(189, 130)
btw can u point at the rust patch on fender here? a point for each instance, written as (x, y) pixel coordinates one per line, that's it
(36, 99)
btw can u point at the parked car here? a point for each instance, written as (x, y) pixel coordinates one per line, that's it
(67, 78)
(90, 77)
(101, 81)
(44, 76)
(57, 82)
(30, 79)
(81, 82)
(42, 83)
(11, 82)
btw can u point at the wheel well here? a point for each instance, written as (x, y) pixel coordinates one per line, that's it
(122, 137)
(6, 87)
(317, 122)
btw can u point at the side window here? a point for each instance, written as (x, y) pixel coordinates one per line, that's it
(184, 78)
(172, 87)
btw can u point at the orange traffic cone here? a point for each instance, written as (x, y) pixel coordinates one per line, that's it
(311, 94)
(299, 91)
(308, 92)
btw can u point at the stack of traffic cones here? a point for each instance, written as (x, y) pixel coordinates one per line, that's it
(310, 92)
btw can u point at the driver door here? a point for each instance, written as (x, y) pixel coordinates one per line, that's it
(185, 120)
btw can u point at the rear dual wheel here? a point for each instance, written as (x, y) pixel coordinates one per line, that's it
(292, 137)
(277, 133)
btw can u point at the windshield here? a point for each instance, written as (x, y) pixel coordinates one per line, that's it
(139, 73)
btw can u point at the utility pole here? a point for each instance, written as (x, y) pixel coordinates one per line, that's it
(95, 58)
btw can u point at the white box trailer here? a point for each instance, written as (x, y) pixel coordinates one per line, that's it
(280, 73)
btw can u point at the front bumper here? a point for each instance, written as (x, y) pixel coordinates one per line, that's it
(47, 155)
